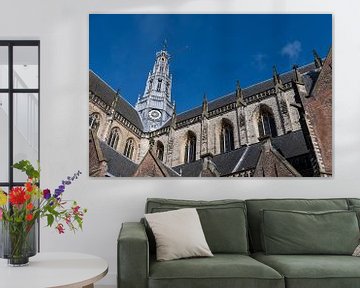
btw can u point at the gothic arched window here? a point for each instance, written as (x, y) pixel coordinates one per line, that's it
(266, 123)
(158, 88)
(226, 137)
(190, 148)
(160, 150)
(129, 148)
(94, 121)
(114, 138)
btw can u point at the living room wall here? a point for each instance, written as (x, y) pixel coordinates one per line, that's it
(62, 27)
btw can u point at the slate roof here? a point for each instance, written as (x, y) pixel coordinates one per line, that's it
(118, 164)
(250, 91)
(100, 88)
(245, 158)
(310, 79)
(121, 166)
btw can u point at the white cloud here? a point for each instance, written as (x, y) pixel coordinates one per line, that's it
(292, 50)
(259, 61)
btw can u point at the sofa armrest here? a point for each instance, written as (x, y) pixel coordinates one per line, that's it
(133, 256)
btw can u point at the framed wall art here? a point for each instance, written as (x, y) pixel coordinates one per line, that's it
(244, 95)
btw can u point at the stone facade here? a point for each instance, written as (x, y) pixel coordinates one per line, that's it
(287, 103)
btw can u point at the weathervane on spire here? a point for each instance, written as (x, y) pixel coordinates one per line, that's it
(165, 45)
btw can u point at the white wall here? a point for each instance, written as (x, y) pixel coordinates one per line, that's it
(62, 27)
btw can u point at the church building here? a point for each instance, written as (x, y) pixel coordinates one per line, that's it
(281, 127)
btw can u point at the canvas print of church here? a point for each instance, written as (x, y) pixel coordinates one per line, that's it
(280, 126)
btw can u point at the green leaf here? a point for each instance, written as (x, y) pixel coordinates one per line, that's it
(26, 167)
(50, 219)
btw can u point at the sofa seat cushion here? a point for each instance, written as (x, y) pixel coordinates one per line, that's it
(313, 271)
(222, 270)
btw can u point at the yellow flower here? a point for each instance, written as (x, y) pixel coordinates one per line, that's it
(3, 198)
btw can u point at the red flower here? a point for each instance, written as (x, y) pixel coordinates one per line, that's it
(17, 196)
(29, 217)
(29, 206)
(27, 196)
(60, 228)
(29, 186)
(75, 209)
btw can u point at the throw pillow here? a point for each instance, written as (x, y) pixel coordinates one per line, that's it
(178, 234)
(357, 251)
(299, 232)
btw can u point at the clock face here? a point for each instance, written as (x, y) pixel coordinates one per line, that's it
(154, 114)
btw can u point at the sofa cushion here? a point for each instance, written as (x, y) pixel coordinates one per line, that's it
(297, 232)
(353, 201)
(178, 234)
(356, 209)
(255, 206)
(313, 271)
(223, 221)
(222, 270)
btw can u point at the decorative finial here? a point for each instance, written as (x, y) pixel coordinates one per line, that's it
(276, 77)
(116, 99)
(204, 98)
(239, 95)
(205, 106)
(317, 60)
(275, 72)
(297, 74)
(238, 87)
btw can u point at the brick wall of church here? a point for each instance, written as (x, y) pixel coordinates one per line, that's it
(318, 110)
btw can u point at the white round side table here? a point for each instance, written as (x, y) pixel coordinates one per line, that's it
(50, 270)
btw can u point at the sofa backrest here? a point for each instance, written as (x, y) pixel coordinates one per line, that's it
(255, 206)
(223, 221)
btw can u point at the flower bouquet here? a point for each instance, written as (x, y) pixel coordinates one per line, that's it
(21, 208)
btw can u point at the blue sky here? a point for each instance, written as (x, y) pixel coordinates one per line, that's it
(209, 52)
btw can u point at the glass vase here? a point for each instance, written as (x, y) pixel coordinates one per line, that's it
(18, 242)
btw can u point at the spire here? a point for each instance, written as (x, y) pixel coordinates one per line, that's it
(205, 106)
(317, 60)
(276, 78)
(165, 45)
(298, 77)
(155, 107)
(239, 95)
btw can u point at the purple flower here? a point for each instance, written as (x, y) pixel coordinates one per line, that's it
(68, 181)
(46, 194)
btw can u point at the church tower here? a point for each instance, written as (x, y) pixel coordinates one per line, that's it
(154, 106)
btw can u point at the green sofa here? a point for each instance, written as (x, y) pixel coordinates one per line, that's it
(234, 230)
